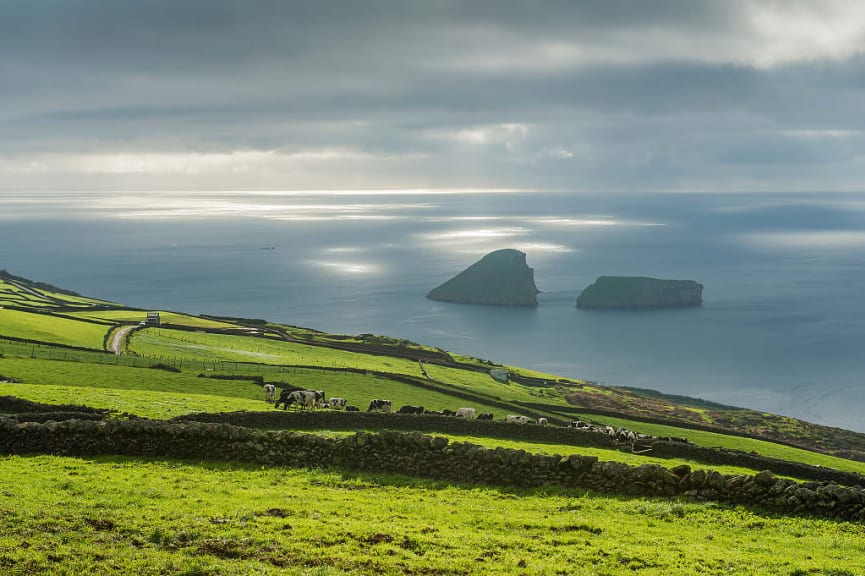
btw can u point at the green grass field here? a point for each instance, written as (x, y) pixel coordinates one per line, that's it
(12, 294)
(157, 342)
(713, 439)
(123, 516)
(134, 316)
(52, 329)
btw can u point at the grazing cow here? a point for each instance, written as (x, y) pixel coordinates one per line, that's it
(411, 410)
(351, 408)
(467, 413)
(674, 439)
(337, 403)
(486, 416)
(515, 419)
(269, 392)
(302, 398)
(542, 422)
(447, 412)
(380, 406)
(319, 395)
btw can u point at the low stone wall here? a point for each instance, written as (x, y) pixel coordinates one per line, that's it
(337, 420)
(334, 420)
(426, 456)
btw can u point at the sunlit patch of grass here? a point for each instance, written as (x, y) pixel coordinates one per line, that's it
(139, 402)
(119, 515)
(47, 328)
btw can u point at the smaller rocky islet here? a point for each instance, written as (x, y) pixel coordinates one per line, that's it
(639, 292)
(503, 278)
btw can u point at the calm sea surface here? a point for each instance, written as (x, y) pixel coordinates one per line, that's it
(782, 327)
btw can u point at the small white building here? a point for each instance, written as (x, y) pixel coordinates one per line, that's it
(152, 319)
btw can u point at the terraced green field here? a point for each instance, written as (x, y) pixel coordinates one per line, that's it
(116, 515)
(133, 390)
(47, 328)
(125, 316)
(157, 342)
(161, 343)
(122, 515)
(12, 294)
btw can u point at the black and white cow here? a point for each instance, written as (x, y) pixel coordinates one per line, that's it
(269, 392)
(517, 419)
(337, 403)
(543, 421)
(302, 398)
(378, 405)
(411, 410)
(486, 416)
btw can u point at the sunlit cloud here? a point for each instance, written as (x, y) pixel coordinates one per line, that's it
(768, 35)
(139, 163)
(507, 134)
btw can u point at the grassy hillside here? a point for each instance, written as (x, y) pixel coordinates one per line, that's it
(356, 367)
(52, 329)
(116, 515)
(108, 515)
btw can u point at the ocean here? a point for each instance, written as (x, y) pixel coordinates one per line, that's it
(781, 329)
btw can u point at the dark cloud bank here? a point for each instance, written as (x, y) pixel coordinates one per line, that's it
(586, 95)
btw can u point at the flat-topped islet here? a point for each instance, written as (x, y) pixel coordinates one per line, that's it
(501, 278)
(637, 292)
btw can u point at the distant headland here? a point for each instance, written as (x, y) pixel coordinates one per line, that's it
(501, 278)
(635, 292)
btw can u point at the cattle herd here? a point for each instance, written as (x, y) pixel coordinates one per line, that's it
(304, 399)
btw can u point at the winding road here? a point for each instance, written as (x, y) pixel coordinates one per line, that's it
(118, 339)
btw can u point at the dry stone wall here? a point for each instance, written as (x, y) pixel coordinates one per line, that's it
(334, 420)
(423, 455)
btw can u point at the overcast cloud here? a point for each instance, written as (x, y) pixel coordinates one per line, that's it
(607, 94)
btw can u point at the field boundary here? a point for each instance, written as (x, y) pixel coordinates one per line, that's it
(420, 455)
(334, 420)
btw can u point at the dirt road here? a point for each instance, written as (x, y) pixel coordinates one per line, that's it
(118, 339)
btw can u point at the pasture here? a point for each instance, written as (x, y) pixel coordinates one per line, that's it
(160, 343)
(26, 294)
(151, 393)
(55, 382)
(52, 329)
(119, 515)
(127, 316)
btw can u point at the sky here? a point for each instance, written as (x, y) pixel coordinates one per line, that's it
(606, 95)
